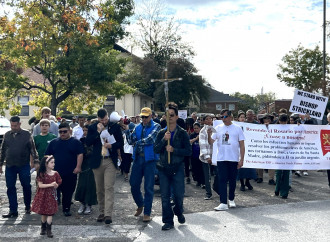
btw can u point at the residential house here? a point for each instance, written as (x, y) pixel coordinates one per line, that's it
(218, 101)
(130, 103)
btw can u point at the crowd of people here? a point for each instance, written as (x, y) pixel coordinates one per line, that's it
(80, 160)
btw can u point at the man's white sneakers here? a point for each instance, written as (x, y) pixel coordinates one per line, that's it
(232, 204)
(221, 207)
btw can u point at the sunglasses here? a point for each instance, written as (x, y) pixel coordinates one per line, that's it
(63, 131)
(225, 116)
(144, 117)
(171, 115)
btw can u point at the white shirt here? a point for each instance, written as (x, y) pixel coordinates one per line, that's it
(77, 132)
(228, 138)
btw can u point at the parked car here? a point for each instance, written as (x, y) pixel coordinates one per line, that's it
(4, 127)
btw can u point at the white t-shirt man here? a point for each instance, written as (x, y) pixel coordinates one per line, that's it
(228, 138)
(78, 132)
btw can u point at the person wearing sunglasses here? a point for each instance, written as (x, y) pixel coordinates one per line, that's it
(68, 153)
(144, 162)
(230, 156)
(171, 174)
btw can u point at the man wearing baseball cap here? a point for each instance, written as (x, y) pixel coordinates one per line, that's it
(143, 138)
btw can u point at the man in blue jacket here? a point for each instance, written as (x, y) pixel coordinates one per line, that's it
(143, 138)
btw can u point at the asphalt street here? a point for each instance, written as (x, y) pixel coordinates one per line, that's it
(259, 216)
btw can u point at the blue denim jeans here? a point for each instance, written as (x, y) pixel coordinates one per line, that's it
(175, 184)
(140, 169)
(25, 179)
(227, 173)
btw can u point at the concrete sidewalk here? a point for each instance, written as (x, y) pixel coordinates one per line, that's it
(305, 221)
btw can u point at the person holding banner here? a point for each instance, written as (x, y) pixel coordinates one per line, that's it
(245, 173)
(260, 172)
(282, 176)
(250, 117)
(230, 156)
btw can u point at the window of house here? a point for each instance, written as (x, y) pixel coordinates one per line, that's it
(25, 107)
(218, 106)
(231, 107)
(109, 104)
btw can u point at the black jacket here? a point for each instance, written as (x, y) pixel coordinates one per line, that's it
(181, 148)
(93, 138)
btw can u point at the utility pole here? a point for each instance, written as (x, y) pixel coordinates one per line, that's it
(324, 48)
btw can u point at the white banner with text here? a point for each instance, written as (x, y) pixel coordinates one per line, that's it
(286, 147)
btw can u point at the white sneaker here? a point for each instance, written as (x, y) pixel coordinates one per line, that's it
(221, 207)
(88, 210)
(305, 173)
(232, 204)
(81, 208)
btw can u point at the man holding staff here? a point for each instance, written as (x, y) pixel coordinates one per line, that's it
(171, 168)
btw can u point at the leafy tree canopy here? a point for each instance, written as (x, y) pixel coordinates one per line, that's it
(302, 68)
(68, 42)
(257, 102)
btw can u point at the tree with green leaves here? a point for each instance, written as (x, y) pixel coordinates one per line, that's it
(256, 102)
(248, 102)
(70, 44)
(302, 68)
(264, 100)
(192, 88)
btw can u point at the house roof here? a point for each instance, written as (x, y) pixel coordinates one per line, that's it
(216, 96)
(121, 49)
(33, 76)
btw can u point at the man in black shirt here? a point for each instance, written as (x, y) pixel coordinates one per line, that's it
(68, 154)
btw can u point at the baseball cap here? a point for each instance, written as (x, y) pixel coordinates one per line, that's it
(145, 112)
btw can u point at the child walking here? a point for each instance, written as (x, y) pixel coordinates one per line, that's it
(44, 202)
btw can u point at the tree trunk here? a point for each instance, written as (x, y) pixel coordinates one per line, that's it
(53, 105)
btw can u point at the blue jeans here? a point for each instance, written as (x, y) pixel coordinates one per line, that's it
(176, 182)
(227, 173)
(25, 179)
(146, 169)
